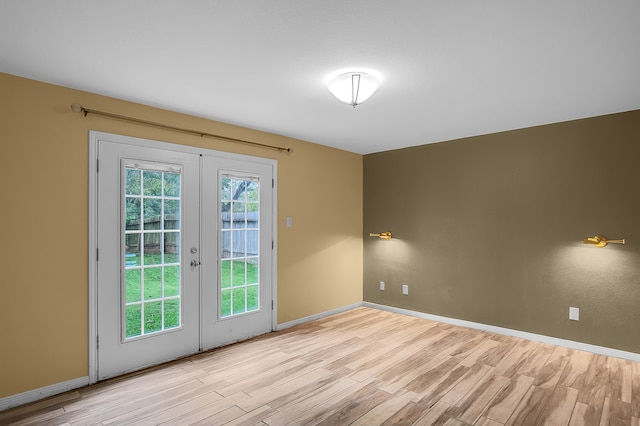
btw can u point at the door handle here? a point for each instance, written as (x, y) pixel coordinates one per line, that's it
(194, 263)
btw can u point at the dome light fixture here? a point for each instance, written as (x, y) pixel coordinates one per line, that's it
(353, 88)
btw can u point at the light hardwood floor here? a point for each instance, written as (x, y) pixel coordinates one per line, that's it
(362, 367)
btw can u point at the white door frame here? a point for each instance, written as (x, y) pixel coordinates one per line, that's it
(94, 139)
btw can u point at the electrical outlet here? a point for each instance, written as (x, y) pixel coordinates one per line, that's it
(382, 285)
(574, 314)
(405, 289)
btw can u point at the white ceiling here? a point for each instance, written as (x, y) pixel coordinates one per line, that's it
(449, 68)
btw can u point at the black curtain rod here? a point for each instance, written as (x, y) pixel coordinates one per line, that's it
(79, 108)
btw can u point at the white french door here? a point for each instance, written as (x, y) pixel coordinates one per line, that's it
(240, 301)
(184, 252)
(147, 292)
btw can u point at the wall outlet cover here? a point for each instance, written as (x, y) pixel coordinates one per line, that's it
(381, 285)
(405, 289)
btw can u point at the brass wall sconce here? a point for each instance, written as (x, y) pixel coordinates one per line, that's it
(384, 235)
(601, 241)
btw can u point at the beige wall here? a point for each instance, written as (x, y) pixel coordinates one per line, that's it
(489, 228)
(43, 255)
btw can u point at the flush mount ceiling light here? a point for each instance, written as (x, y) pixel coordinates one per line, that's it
(354, 87)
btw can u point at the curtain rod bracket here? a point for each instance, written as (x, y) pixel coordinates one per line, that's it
(76, 107)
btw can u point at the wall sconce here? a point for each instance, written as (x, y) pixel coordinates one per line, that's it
(383, 235)
(601, 241)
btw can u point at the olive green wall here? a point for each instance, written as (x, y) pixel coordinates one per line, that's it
(44, 217)
(488, 229)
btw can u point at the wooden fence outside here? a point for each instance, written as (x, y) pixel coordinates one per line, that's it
(243, 226)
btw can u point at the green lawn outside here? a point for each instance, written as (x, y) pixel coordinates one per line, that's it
(236, 289)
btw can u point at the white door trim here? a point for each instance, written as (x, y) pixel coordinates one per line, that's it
(94, 139)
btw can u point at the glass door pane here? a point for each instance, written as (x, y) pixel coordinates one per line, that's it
(240, 245)
(151, 262)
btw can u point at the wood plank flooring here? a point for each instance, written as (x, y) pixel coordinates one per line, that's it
(362, 367)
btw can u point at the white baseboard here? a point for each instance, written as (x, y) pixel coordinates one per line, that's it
(299, 321)
(632, 356)
(36, 394)
(41, 393)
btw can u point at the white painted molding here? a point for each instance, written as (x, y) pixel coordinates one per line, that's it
(41, 393)
(36, 394)
(92, 262)
(299, 321)
(632, 356)
(274, 252)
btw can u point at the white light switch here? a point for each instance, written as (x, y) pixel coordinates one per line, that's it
(574, 314)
